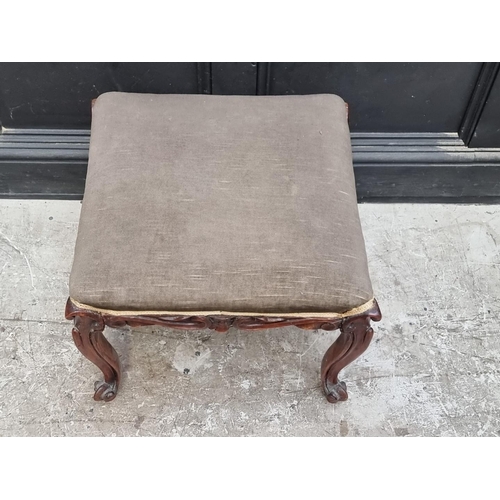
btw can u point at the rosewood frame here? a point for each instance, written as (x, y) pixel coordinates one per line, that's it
(355, 336)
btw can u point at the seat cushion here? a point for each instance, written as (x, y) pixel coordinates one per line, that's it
(244, 204)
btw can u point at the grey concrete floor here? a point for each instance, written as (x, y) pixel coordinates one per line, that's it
(433, 368)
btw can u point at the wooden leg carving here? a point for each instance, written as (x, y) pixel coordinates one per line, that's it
(354, 338)
(88, 337)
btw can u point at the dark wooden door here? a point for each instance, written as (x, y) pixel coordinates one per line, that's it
(420, 131)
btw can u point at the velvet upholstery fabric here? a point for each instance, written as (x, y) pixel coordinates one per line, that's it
(234, 203)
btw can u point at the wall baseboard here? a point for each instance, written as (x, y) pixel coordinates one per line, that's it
(399, 167)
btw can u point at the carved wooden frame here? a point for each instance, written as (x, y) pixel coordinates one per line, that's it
(356, 334)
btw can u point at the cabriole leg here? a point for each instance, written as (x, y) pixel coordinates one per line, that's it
(354, 339)
(88, 337)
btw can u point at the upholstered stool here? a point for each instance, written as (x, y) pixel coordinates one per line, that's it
(208, 211)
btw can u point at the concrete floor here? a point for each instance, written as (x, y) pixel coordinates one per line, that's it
(433, 368)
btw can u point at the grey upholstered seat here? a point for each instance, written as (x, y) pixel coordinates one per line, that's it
(220, 203)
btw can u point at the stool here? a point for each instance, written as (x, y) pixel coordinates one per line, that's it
(205, 211)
